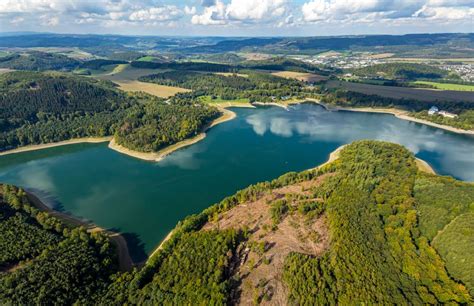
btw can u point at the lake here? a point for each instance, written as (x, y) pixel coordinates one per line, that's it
(145, 200)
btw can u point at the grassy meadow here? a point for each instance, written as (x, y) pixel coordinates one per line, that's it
(446, 86)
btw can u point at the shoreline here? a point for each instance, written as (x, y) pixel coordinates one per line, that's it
(152, 156)
(42, 146)
(161, 154)
(404, 115)
(398, 113)
(125, 260)
(229, 115)
(160, 246)
(334, 155)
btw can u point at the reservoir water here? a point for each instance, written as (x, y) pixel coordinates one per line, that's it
(145, 200)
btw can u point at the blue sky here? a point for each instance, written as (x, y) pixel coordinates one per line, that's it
(238, 17)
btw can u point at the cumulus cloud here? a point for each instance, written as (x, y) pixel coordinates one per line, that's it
(241, 11)
(189, 10)
(164, 13)
(50, 21)
(246, 14)
(374, 10)
(102, 12)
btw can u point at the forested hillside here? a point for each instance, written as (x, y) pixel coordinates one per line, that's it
(45, 262)
(38, 61)
(49, 107)
(149, 128)
(262, 87)
(367, 228)
(404, 71)
(40, 108)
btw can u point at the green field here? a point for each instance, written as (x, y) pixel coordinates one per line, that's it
(446, 86)
(218, 100)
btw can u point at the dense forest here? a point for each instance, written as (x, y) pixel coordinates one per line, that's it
(38, 61)
(151, 127)
(186, 66)
(41, 108)
(43, 261)
(49, 107)
(391, 229)
(262, 87)
(378, 253)
(274, 64)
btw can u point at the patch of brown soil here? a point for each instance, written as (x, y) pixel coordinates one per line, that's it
(262, 257)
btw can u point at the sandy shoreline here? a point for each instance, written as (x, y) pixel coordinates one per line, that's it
(271, 104)
(56, 144)
(153, 156)
(157, 156)
(229, 115)
(401, 114)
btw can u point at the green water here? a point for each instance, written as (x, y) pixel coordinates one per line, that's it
(145, 200)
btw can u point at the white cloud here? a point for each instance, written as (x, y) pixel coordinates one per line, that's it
(255, 10)
(189, 10)
(212, 15)
(241, 11)
(50, 21)
(445, 13)
(17, 20)
(375, 10)
(264, 17)
(164, 13)
(102, 12)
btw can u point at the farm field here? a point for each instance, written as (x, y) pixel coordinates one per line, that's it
(127, 78)
(447, 86)
(161, 91)
(301, 76)
(124, 72)
(426, 95)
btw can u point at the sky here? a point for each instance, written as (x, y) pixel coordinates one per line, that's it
(237, 17)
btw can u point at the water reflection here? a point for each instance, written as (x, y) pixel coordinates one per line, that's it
(450, 152)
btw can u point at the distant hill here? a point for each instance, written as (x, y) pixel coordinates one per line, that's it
(38, 61)
(404, 71)
(414, 45)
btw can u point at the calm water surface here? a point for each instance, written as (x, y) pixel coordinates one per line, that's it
(145, 200)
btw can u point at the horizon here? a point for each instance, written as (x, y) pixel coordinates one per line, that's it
(25, 33)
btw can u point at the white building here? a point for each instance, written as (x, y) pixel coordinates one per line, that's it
(433, 110)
